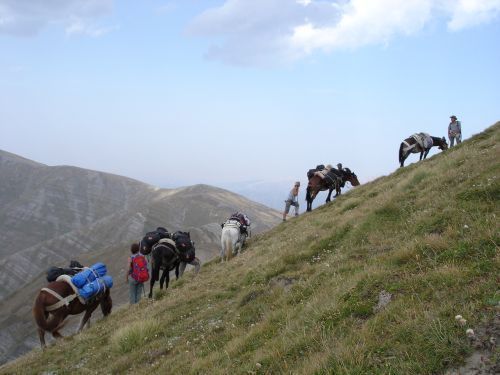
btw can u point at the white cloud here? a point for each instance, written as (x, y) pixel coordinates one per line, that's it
(261, 31)
(468, 13)
(28, 17)
(80, 27)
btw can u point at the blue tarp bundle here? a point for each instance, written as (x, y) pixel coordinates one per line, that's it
(91, 289)
(89, 274)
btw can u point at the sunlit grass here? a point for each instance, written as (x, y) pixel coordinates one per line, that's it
(303, 297)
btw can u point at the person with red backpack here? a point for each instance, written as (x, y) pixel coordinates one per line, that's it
(137, 273)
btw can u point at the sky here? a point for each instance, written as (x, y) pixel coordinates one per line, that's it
(242, 94)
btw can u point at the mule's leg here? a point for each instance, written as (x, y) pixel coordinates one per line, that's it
(426, 153)
(196, 263)
(308, 200)
(242, 241)
(85, 319)
(167, 278)
(329, 196)
(155, 274)
(222, 250)
(179, 270)
(86, 316)
(60, 325)
(41, 335)
(403, 158)
(163, 277)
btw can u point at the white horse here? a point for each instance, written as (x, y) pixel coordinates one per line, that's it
(231, 240)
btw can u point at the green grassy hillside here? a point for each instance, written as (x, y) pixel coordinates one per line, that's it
(368, 284)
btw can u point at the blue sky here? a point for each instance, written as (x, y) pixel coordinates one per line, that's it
(241, 93)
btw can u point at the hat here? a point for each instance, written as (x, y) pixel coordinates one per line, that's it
(453, 116)
(297, 183)
(328, 166)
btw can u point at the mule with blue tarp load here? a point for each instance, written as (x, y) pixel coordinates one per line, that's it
(71, 296)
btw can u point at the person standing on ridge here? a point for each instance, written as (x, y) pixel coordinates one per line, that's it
(293, 200)
(454, 131)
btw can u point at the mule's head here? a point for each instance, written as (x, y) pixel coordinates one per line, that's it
(443, 145)
(351, 177)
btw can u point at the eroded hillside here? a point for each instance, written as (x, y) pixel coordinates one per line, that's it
(50, 215)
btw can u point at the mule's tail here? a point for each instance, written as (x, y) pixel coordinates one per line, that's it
(229, 248)
(49, 325)
(401, 153)
(226, 244)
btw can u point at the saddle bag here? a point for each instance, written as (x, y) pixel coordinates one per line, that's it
(184, 246)
(95, 287)
(54, 272)
(310, 173)
(89, 274)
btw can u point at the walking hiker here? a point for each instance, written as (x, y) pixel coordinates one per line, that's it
(137, 274)
(454, 131)
(293, 200)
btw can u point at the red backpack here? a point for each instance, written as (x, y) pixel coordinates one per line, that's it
(140, 271)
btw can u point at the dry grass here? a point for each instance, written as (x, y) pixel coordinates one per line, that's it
(301, 298)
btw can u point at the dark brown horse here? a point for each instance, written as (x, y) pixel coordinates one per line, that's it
(50, 317)
(167, 257)
(164, 257)
(335, 179)
(411, 146)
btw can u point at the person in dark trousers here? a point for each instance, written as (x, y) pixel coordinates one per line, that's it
(136, 287)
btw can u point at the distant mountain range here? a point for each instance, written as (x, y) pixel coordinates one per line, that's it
(50, 215)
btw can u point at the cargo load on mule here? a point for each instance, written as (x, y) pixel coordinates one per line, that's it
(152, 238)
(311, 172)
(54, 272)
(72, 295)
(184, 246)
(92, 281)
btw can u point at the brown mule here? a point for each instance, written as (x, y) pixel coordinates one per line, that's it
(49, 312)
(317, 184)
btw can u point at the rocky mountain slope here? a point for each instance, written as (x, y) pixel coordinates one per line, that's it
(49, 215)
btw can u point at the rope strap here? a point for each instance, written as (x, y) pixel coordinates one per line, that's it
(408, 146)
(62, 301)
(232, 223)
(67, 280)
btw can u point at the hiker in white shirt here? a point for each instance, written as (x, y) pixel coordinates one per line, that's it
(293, 200)
(454, 131)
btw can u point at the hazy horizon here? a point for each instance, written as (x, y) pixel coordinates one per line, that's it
(175, 93)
